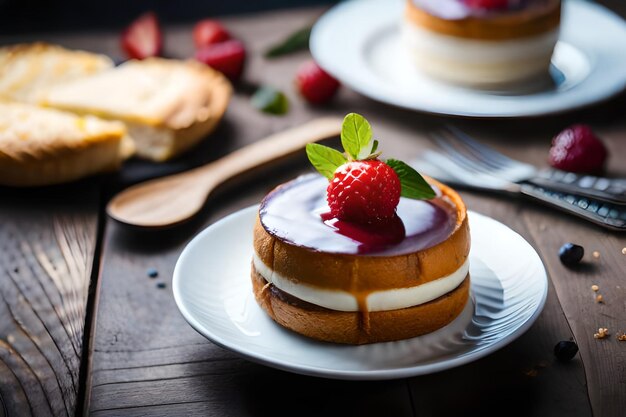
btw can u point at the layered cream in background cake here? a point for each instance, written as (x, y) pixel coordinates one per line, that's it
(482, 43)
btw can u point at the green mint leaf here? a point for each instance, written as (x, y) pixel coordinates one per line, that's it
(270, 100)
(326, 160)
(365, 151)
(356, 134)
(413, 184)
(297, 41)
(375, 146)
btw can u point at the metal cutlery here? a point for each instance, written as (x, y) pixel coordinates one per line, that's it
(467, 163)
(468, 152)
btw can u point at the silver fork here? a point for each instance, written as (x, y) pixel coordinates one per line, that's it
(467, 152)
(457, 169)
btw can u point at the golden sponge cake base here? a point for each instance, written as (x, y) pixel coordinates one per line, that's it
(358, 327)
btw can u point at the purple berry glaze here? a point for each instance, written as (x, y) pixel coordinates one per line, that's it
(297, 213)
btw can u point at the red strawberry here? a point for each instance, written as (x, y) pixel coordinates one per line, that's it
(315, 85)
(143, 39)
(227, 57)
(577, 149)
(207, 32)
(364, 191)
(487, 4)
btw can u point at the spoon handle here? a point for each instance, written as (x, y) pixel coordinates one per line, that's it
(271, 148)
(175, 198)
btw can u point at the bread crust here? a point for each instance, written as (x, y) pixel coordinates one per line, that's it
(358, 327)
(43, 146)
(168, 105)
(28, 70)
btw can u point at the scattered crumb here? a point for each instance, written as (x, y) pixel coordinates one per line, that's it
(595, 288)
(532, 373)
(543, 227)
(621, 337)
(11, 339)
(602, 333)
(623, 251)
(596, 254)
(599, 299)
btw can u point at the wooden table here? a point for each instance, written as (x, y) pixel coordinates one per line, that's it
(84, 329)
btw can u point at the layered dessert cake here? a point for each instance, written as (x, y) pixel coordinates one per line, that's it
(371, 253)
(482, 43)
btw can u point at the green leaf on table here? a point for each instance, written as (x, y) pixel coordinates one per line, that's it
(326, 160)
(270, 100)
(356, 135)
(413, 184)
(297, 41)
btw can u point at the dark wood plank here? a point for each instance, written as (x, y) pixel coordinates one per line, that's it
(47, 243)
(604, 359)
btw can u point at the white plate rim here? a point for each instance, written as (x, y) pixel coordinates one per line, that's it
(593, 95)
(405, 372)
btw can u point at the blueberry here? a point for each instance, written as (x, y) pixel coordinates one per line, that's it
(565, 350)
(162, 285)
(152, 273)
(570, 254)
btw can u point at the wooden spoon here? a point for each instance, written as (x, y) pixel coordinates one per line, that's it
(173, 199)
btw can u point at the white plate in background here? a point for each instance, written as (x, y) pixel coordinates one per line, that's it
(359, 43)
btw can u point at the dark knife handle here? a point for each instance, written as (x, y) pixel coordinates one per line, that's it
(612, 190)
(603, 213)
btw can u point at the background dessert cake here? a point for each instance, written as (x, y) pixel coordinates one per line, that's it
(482, 43)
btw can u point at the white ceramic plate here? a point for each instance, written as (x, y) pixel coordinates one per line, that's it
(359, 43)
(213, 291)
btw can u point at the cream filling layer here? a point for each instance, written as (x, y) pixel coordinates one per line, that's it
(376, 301)
(479, 61)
